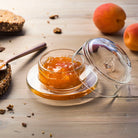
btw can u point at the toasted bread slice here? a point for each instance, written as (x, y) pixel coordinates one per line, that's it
(5, 79)
(9, 22)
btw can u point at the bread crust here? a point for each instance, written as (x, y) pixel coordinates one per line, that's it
(5, 79)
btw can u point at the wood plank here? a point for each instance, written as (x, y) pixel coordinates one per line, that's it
(118, 116)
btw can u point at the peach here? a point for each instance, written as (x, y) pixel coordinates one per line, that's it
(109, 18)
(131, 37)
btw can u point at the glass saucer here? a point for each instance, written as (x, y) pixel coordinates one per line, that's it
(71, 102)
(40, 90)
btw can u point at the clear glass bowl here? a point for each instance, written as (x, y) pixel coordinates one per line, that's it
(56, 70)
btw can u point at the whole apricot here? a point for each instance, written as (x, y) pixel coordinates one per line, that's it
(131, 37)
(109, 18)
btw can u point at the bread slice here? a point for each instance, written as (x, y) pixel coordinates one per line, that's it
(9, 22)
(5, 79)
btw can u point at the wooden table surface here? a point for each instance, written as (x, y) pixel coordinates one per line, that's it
(98, 118)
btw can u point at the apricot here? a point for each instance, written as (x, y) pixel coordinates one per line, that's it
(130, 37)
(109, 18)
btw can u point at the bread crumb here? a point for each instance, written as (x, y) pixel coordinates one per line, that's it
(54, 16)
(48, 22)
(10, 107)
(2, 49)
(50, 135)
(43, 35)
(43, 132)
(2, 111)
(28, 116)
(12, 117)
(57, 31)
(24, 124)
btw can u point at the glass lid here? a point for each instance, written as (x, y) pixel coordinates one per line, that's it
(108, 59)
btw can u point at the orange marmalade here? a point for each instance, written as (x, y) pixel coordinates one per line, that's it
(58, 73)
